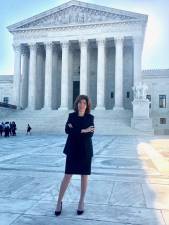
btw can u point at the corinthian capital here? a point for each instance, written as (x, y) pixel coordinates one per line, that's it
(48, 45)
(32, 46)
(17, 47)
(24, 51)
(101, 41)
(83, 43)
(65, 44)
(118, 39)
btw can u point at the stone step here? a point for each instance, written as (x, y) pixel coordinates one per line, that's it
(107, 122)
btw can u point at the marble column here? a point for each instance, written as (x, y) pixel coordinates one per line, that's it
(137, 45)
(118, 105)
(83, 67)
(32, 74)
(17, 75)
(65, 76)
(40, 77)
(101, 75)
(48, 76)
(55, 78)
(25, 71)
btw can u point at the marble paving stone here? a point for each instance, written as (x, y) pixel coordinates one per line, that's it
(159, 180)
(12, 184)
(52, 194)
(115, 214)
(41, 220)
(8, 218)
(156, 196)
(54, 151)
(9, 205)
(34, 190)
(128, 172)
(36, 159)
(3, 154)
(95, 193)
(127, 194)
(165, 214)
(118, 163)
(123, 186)
(98, 192)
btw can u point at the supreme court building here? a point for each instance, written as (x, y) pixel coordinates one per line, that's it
(77, 48)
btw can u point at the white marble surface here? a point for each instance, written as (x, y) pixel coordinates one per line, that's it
(125, 186)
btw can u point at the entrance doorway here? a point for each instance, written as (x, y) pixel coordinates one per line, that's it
(76, 90)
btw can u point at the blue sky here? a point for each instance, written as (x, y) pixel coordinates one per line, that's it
(156, 46)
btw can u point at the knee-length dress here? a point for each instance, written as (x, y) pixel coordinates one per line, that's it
(78, 147)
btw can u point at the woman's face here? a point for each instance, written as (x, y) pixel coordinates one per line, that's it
(82, 105)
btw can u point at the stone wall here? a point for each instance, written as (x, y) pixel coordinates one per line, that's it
(6, 87)
(158, 83)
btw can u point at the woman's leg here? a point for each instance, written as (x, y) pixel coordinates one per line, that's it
(62, 190)
(84, 182)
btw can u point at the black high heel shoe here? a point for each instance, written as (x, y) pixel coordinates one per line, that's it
(80, 212)
(57, 213)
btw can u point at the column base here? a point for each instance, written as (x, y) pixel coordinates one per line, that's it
(117, 108)
(29, 108)
(61, 108)
(46, 108)
(19, 107)
(99, 108)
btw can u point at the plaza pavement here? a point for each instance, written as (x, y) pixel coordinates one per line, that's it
(129, 184)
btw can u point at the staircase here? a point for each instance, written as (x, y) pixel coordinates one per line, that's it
(107, 122)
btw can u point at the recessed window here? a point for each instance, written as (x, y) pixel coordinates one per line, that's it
(162, 101)
(78, 69)
(163, 121)
(128, 94)
(112, 94)
(6, 100)
(149, 98)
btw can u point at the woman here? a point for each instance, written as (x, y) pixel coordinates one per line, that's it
(28, 131)
(78, 149)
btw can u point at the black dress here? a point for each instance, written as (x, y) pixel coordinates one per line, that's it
(78, 147)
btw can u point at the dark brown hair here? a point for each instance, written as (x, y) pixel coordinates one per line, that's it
(88, 103)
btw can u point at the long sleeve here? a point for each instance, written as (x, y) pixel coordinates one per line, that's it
(69, 130)
(76, 129)
(90, 134)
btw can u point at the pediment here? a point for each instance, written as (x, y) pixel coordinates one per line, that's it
(74, 13)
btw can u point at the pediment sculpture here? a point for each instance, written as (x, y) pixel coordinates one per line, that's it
(76, 15)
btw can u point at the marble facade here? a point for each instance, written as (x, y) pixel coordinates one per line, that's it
(77, 48)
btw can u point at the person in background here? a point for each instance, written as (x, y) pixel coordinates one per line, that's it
(7, 129)
(10, 131)
(28, 131)
(13, 128)
(1, 129)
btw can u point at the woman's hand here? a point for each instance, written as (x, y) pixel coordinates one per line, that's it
(70, 125)
(87, 130)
